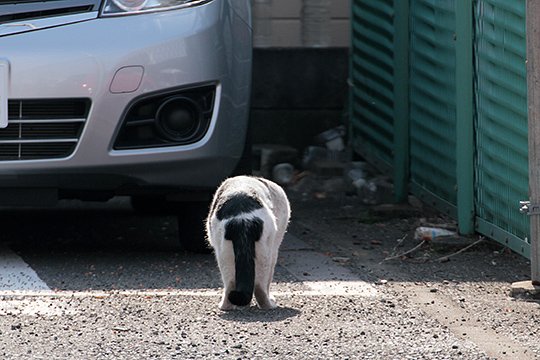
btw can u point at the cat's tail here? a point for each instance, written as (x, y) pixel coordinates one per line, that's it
(243, 232)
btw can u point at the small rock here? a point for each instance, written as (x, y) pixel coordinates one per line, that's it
(320, 195)
(120, 329)
(341, 260)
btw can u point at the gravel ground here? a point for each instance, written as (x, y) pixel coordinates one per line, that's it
(122, 294)
(126, 327)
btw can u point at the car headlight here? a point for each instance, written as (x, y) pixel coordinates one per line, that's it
(126, 7)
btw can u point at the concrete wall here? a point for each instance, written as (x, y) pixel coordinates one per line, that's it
(299, 89)
(279, 23)
(297, 94)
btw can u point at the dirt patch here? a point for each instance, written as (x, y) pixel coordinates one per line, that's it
(334, 219)
(473, 285)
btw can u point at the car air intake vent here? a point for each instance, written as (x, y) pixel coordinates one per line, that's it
(48, 109)
(42, 129)
(37, 131)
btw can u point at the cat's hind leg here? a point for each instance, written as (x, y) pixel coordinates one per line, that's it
(264, 299)
(225, 304)
(262, 287)
(263, 279)
(226, 266)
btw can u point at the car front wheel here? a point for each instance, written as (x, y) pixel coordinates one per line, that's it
(191, 226)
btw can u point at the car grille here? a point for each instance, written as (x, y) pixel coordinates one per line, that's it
(23, 10)
(42, 129)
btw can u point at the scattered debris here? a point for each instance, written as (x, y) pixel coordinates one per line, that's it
(320, 195)
(267, 156)
(283, 173)
(378, 190)
(399, 243)
(431, 233)
(399, 256)
(324, 161)
(355, 175)
(341, 259)
(447, 257)
(526, 290)
(447, 226)
(333, 138)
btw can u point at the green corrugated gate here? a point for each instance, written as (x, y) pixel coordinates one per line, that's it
(432, 98)
(372, 62)
(501, 121)
(412, 66)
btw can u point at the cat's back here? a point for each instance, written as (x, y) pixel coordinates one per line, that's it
(254, 192)
(277, 199)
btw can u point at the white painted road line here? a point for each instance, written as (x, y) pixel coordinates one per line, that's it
(36, 306)
(320, 275)
(16, 275)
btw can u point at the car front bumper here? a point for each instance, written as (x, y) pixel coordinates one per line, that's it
(175, 49)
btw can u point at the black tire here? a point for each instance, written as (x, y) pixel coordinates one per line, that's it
(191, 226)
(245, 164)
(150, 205)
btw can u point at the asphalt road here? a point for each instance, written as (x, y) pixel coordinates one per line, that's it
(101, 282)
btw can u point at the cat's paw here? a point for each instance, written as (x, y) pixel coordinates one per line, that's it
(269, 304)
(226, 306)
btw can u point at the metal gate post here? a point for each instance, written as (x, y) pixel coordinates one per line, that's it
(532, 288)
(533, 87)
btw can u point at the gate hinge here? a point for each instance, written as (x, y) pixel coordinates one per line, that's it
(525, 207)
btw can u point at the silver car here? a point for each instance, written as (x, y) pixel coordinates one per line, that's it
(147, 98)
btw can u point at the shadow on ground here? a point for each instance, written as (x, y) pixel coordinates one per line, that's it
(254, 314)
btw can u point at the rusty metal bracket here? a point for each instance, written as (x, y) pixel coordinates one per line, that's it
(526, 208)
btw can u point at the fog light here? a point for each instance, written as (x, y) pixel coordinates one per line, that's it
(173, 118)
(178, 118)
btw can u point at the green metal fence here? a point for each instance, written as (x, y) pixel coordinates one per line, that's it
(439, 101)
(501, 121)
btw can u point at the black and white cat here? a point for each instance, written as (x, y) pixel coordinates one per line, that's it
(247, 221)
